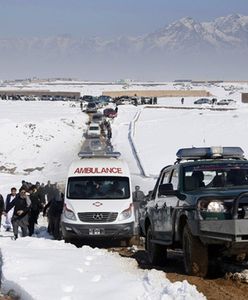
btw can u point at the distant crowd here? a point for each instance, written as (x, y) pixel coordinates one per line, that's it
(22, 208)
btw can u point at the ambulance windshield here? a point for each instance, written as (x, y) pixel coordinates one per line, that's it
(98, 187)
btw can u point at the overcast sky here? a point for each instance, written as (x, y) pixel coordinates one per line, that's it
(106, 18)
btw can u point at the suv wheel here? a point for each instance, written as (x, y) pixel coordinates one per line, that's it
(157, 254)
(195, 254)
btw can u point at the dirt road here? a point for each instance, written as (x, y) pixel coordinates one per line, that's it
(213, 288)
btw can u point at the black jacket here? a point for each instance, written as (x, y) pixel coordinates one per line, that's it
(1, 204)
(19, 203)
(7, 201)
(55, 206)
(36, 201)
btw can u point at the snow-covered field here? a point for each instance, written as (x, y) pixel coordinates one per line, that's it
(38, 142)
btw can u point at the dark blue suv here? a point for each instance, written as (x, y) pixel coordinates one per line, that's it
(200, 204)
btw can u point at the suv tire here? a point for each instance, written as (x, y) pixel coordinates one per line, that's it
(195, 254)
(157, 254)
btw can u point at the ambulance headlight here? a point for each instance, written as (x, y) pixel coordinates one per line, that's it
(125, 214)
(69, 214)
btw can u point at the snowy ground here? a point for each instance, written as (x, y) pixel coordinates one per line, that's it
(40, 139)
(45, 269)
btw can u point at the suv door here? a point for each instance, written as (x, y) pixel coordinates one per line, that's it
(159, 223)
(164, 207)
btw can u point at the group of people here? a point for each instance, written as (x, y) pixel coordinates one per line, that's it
(22, 208)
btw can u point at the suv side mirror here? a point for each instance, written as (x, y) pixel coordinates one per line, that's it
(166, 189)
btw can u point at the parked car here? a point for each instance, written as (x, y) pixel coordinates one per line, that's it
(103, 99)
(88, 98)
(97, 117)
(203, 101)
(109, 113)
(93, 130)
(146, 100)
(226, 102)
(200, 204)
(91, 107)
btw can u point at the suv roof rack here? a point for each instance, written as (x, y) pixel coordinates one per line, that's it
(91, 154)
(209, 153)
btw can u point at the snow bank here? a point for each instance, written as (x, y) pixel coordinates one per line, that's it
(45, 269)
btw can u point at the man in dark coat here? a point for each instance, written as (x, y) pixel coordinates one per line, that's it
(10, 197)
(25, 185)
(21, 205)
(1, 209)
(41, 192)
(55, 207)
(49, 191)
(35, 209)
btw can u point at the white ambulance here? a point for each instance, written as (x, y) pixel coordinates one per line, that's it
(98, 199)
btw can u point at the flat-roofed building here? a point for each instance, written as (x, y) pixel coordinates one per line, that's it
(39, 93)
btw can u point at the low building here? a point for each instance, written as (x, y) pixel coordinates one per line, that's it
(158, 93)
(39, 93)
(244, 97)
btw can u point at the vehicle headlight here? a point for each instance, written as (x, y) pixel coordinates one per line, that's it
(125, 214)
(216, 206)
(69, 214)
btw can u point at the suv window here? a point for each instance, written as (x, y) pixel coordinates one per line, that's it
(166, 177)
(174, 179)
(212, 176)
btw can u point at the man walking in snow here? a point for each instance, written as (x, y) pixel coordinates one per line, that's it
(1, 209)
(21, 205)
(35, 208)
(10, 197)
(138, 196)
(55, 208)
(49, 191)
(41, 192)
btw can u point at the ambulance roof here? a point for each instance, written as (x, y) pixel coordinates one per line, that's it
(99, 166)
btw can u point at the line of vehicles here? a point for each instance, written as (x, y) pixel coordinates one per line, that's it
(215, 101)
(90, 104)
(198, 204)
(98, 197)
(38, 98)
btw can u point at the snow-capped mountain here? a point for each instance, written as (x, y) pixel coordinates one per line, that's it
(221, 39)
(227, 32)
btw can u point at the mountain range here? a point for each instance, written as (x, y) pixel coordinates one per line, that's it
(220, 48)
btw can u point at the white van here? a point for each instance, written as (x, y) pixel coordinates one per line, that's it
(98, 200)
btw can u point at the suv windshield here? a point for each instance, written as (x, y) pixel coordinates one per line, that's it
(98, 187)
(211, 176)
